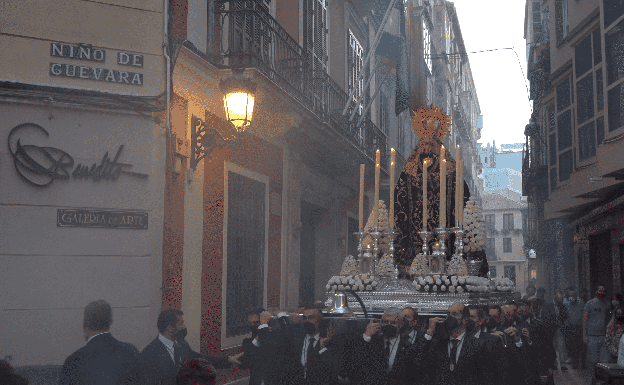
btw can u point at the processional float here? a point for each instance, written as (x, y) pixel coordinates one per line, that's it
(446, 265)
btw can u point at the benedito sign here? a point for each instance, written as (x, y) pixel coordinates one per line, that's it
(88, 53)
(41, 166)
(101, 218)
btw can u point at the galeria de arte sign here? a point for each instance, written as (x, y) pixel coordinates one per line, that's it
(88, 53)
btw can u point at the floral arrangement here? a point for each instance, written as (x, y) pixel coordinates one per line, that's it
(503, 284)
(385, 266)
(383, 226)
(457, 266)
(474, 230)
(441, 283)
(349, 266)
(359, 282)
(479, 284)
(420, 265)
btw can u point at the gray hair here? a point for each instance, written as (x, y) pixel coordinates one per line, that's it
(393, 311)
(98, 316)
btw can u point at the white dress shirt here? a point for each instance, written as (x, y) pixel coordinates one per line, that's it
(90, 338)
(412, 336)
(168, 344)
(304, 358)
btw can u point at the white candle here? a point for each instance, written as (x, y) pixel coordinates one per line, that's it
(362, 168)
(424, 204)
(376, 203)
(443, 193)
(391, 208)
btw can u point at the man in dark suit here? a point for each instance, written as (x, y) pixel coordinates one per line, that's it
(457, 356)
(104, 359)
(303, 354)
(494, 320)
(259, 349)
(384, 356)
(495, 359)
(535, 333)
(160, 359)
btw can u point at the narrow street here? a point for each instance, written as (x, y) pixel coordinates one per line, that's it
(573, 377)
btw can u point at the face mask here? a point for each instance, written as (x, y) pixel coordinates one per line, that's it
(615, 303)
(601, 295)
(572, 300)
(450, 324)
(309, 328)
(181, 334)
(507, 323)
(491, 324)
(471, 325)
(406, 327)
(388, 331)
(253, 328)
(620, 318)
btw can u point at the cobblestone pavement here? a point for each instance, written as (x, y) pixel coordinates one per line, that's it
(573, 377)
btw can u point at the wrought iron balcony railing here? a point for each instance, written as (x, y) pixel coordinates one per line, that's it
(244, 33)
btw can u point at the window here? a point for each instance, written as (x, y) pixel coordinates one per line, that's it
(565, 165)
(552, 144)
(599, 91)
(585, 99)
(615, 99)
(506, 245)
(587, 142)
(401, 135)
(493, 271)
(508, 221)
(613, 9)
(583, 57)
(564, 130)
(427, 45)
(384, 118)
(537, 21)
(562, 19)
(597, 41)
(247, 217)
(355, 63)
(533, 273)
(510, 272)
(600, 133)
(553, 179)
(490, 249)
(490, 222)
(563, 95)
(614, 48)
(551, 119)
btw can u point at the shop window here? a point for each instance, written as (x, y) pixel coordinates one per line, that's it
(613, 9)
(508, 221)
(599, 91)
(615, 100)
(246, 217)
(563, 95)
(583, 57)
(564, 130)
(587, 142)
(552, 144)
(507, 245)
(490, 249)
(585, 99)
(566, 165)
(553, 179)
(490, 222)
(614, 48)
(597, 42)
(600, 132)
(510, 272)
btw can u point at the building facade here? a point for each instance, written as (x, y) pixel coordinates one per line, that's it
(504, 213)
(572, 170)
(83, 105)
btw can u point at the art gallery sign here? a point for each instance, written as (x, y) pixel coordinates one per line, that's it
(85, 52)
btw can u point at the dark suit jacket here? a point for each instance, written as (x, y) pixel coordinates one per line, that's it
(103, 360)
(287, 360)
(470, 368)
(495, 363)
(261, 360)
(370, 362)
(157, 367)
(541, 353)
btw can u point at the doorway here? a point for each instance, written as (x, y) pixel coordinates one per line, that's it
(600, 263)
(311, 216)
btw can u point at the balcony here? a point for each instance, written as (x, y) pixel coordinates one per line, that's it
(242, 32)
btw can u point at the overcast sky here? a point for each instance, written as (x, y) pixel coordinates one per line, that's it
(500, 84)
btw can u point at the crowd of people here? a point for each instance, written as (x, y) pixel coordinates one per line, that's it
(518, 343)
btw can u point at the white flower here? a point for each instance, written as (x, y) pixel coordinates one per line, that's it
(452, 289)
(460, 290)
(426, 287)
(369, 287)
(435, 288)
(417, 286)
(443, 288)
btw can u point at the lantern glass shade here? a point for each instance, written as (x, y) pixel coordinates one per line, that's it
(239, 109)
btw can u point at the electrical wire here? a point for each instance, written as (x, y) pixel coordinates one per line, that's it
(442, 56)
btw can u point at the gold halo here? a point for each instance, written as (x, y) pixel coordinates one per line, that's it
(430, 123)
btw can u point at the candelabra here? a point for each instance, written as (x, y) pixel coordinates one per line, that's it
(425, 236)
(459, 240)
(442, 235)
(392, 235)
(375, 234)
(360, 235)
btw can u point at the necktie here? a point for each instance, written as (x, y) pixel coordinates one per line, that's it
(176, 354)
(310, 351)
(387, 354)
(454, 343)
